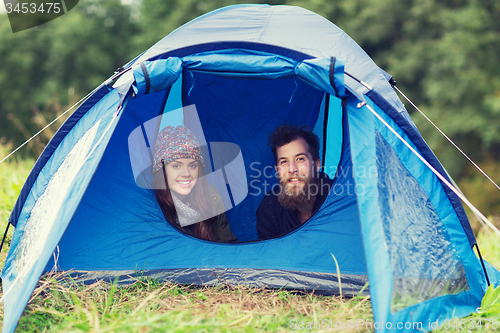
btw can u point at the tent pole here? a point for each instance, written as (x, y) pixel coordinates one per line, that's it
(4, 235)
(482, 264)
(325, 126)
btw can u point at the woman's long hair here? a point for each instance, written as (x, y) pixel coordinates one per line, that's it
(199, 198)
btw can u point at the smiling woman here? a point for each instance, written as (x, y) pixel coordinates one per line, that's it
(186, 198)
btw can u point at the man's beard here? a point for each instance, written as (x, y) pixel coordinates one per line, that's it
(294, 197)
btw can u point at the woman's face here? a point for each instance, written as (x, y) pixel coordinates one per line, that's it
(182, 175)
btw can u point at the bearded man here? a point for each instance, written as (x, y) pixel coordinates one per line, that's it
(302, 187)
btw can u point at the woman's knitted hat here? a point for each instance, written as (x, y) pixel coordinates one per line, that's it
(173, 143)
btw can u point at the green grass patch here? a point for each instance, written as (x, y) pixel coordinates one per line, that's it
(149, 306)
(13, 174)
(489, 245)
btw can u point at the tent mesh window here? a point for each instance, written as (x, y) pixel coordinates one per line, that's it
(423, 261)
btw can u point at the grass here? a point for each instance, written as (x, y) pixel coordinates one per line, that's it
(13, 174)
(151, 306)
(489, 245)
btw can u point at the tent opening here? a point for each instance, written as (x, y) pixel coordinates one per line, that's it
(204, 103)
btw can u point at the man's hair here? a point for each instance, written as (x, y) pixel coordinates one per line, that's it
(286, 133)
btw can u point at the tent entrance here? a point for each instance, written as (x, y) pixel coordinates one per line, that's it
(270, 102)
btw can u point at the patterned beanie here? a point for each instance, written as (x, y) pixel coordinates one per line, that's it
(173, 143)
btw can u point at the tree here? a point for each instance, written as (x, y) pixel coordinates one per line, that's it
(445, 56)
(49, 66)
(20, 74)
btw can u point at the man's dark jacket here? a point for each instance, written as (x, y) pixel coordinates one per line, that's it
(273, 220)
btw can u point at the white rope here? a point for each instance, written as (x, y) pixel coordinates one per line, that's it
(486, 227)
(443, 179)
(440, 131)
(53, 121)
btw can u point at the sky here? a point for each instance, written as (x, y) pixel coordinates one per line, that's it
(2, 7)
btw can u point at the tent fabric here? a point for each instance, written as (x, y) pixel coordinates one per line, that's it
(232, 76)
(424, 258)
(107, 235)
(427, 153)
(241, 63)
(326, 284)
(274, 26)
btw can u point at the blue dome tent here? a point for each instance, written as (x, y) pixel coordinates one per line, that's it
(232, 76)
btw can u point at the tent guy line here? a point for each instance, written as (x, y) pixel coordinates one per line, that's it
(109, 80)
(443, 179)
(53, 121)
(487, 226)
(453, 143)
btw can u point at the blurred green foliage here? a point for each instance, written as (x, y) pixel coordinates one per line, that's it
(42, 68)
(444, 54)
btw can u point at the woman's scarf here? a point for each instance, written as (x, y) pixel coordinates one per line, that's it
(185, 214)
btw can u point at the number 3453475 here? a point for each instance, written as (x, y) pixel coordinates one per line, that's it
(33, 8)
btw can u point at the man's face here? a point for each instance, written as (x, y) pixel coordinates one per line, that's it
(295, 166)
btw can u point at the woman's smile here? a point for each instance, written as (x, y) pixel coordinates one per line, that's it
(184, 183)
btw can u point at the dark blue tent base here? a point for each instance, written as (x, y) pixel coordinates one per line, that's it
(309, 282)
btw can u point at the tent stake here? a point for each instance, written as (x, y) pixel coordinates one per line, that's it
(4, 235)
(482, 264)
